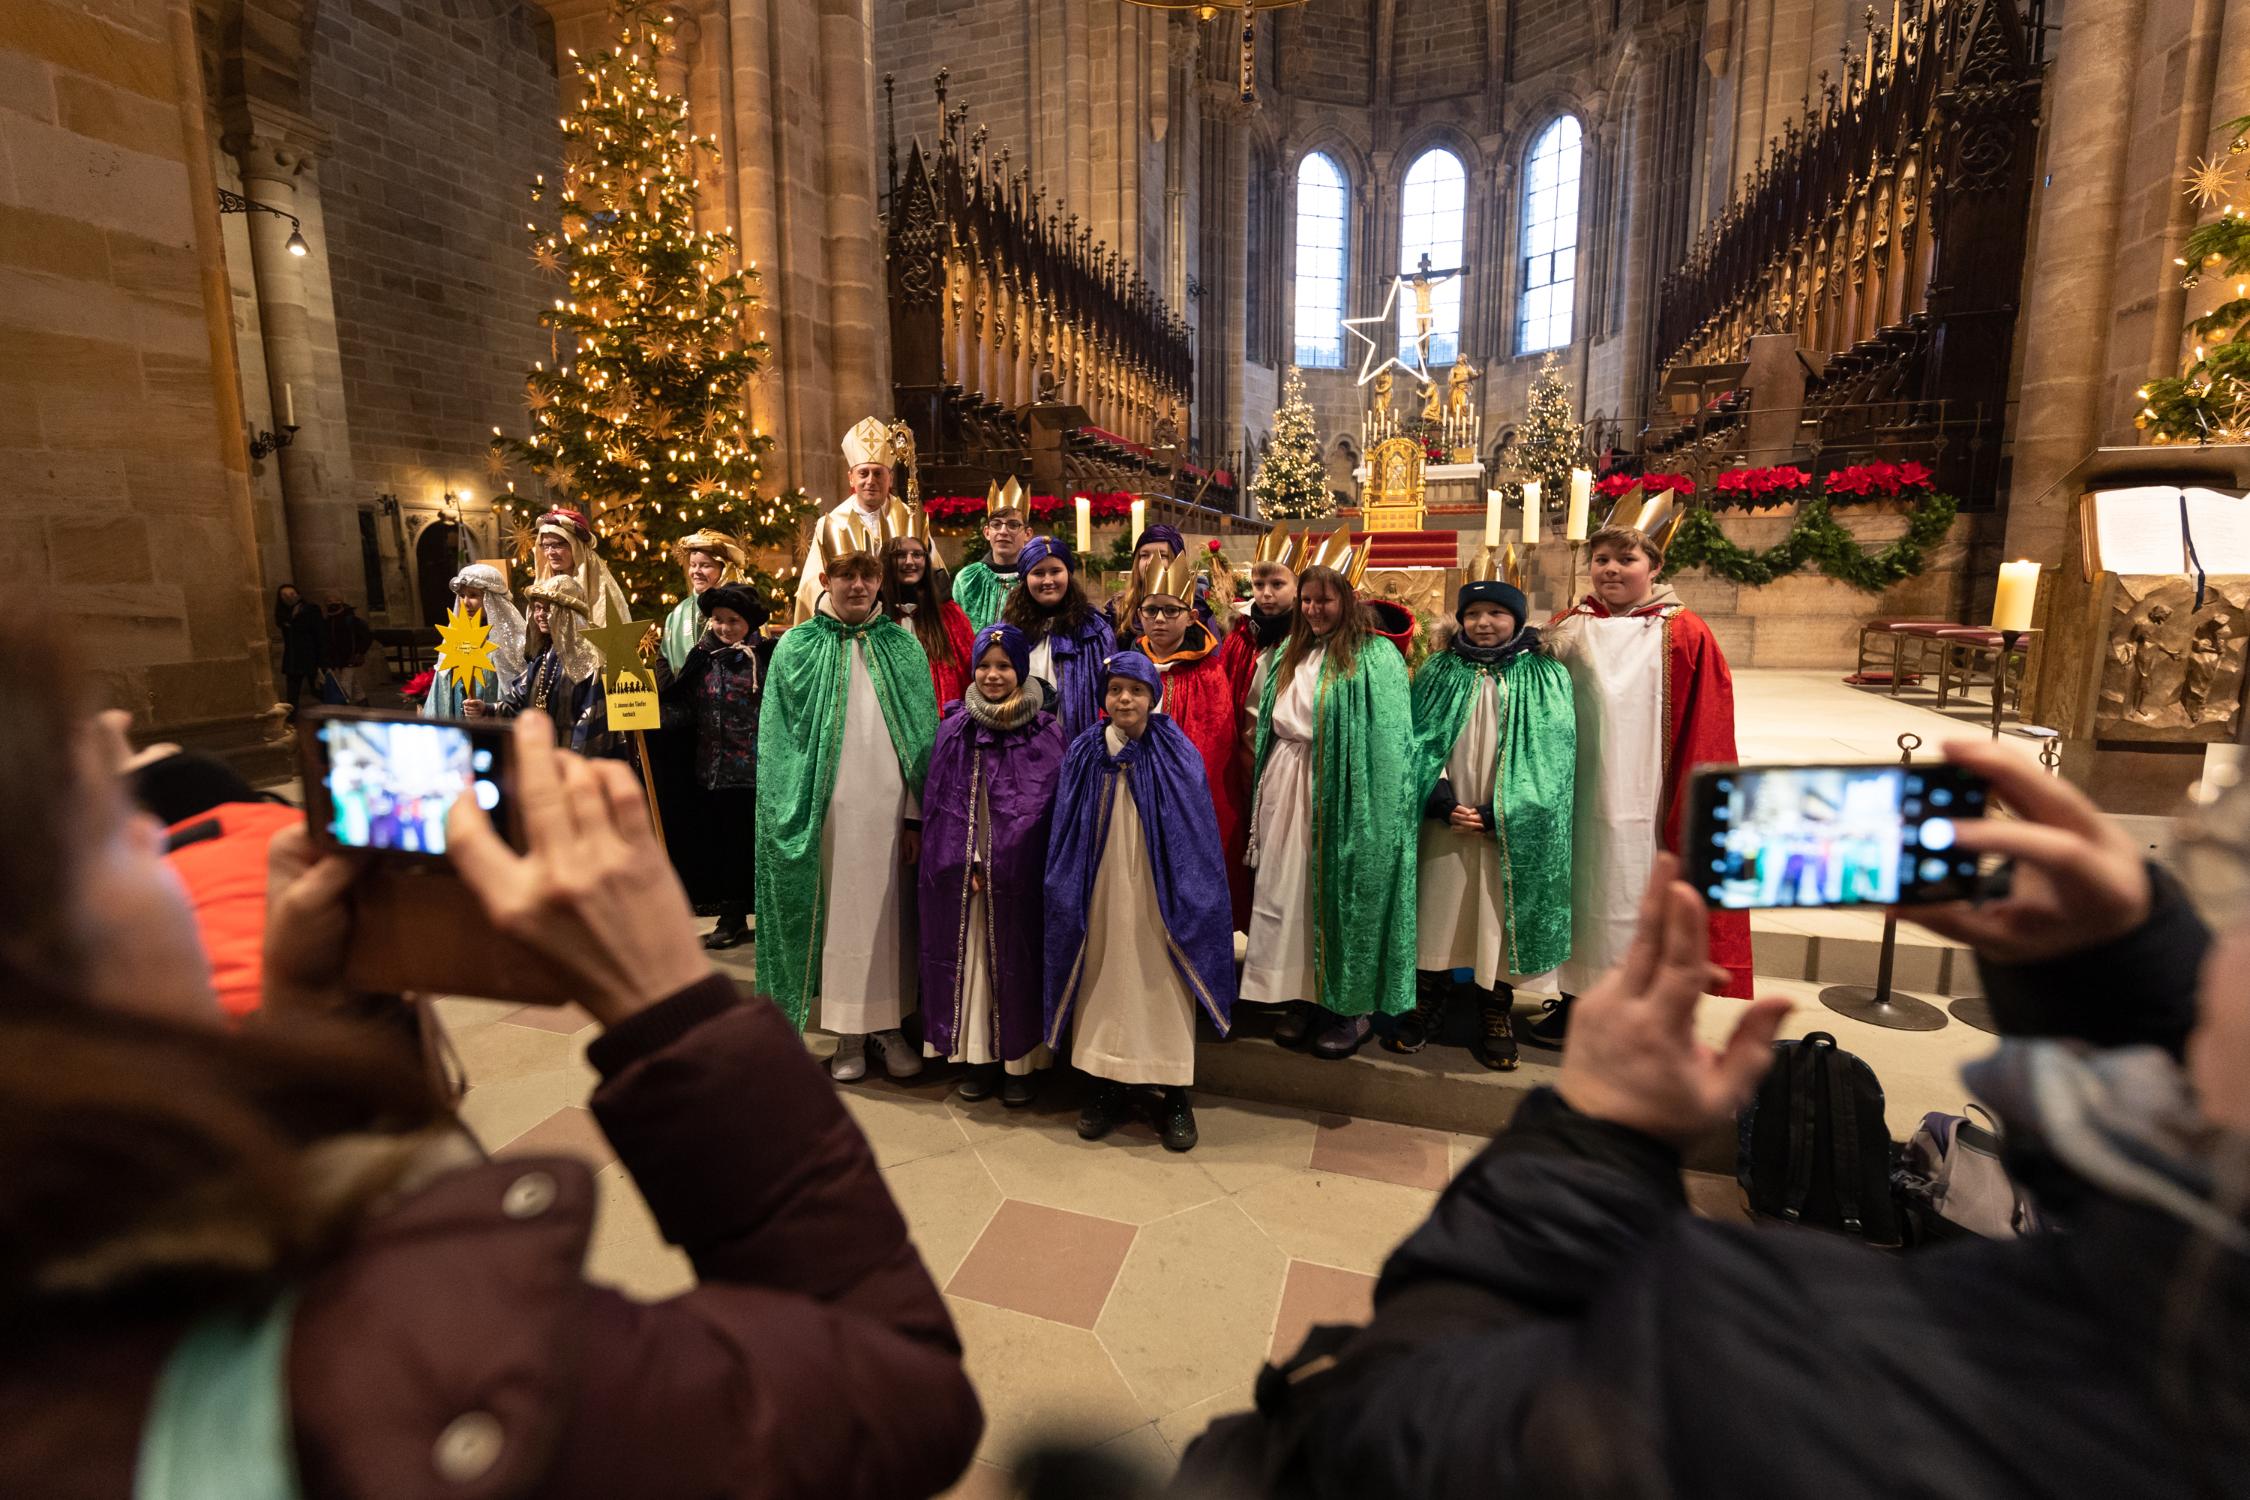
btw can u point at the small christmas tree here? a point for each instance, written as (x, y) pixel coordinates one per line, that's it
(639, 420)
(2210, 400)
(1292, 483)
(1548, 446)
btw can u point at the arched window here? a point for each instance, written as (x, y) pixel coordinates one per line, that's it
(1320, 263)
(1550, 238)
(1430, 209)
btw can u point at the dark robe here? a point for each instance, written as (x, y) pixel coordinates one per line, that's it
(1174, 801)
(1018, 770)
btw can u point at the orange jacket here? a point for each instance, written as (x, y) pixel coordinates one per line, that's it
(221, 859)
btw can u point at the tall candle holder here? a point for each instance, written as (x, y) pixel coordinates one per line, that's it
(2008, 642)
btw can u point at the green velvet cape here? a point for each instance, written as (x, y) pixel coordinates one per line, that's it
(1530, 789)
(981, 592)
(1365, 819)
(800, 742)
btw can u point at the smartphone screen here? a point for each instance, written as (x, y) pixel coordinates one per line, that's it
(1773, 836)
(386, 783)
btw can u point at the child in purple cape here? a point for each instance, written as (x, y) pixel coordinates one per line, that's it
(985, 811)
(1139, 928)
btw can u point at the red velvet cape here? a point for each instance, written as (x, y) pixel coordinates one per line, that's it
(952, 681)
(1200, 697)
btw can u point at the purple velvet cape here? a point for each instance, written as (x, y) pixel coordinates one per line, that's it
(1174, 801)
(1018, 769)
(1078, 672)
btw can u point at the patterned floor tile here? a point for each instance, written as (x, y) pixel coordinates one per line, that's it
(1186, 1425)
(1045, 1262)
(1040, 1382)
(627, 1250)
(1122, 1178)
(1193, 1306)
(1312, 1295)
(1337, 1220)
(1381, 1152)
(946, 1201)
(901, 1127)
(1243, 1144)
(571, 1131)
(568, 1020)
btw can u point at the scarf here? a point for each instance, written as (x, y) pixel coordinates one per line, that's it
(1269, 630)
(1526, 639)
(1011, 712)
(800, 743)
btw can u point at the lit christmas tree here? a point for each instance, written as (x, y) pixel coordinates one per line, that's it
(2209, 401)
(1548, 445)
(639, 421)
(1292, 483)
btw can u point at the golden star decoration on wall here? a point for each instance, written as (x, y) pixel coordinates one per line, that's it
(2209, 183)
(465, 645)
(523, 539)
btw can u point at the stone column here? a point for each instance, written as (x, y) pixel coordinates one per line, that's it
(859, 320)
(1789, 61)
(1750, 87)
(2191, 139)
(2066, 345)
(323, 537)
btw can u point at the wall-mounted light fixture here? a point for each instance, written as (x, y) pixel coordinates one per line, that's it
(235, 203)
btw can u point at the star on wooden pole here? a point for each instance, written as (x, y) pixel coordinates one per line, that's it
(465, 645)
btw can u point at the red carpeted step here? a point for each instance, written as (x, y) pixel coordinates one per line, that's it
(1413, 549)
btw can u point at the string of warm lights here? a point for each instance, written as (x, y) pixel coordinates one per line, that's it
(641, 420)
(2209, 400)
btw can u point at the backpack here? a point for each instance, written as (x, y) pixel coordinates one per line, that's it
(1813, 1145)
(1953, 1183)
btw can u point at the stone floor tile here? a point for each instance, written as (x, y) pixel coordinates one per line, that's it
(1126, 1178)
(568, 1020)
(946, 1200)
(494, 1054)
(1460, 1150)
(1045, 1262)
(901, 1127)
(1347, 1222)
(1243, 1144)
(570, 1131)
(1193, 1307)
(1184, 1426)
(627, 1250)
(1143, 1451)
(982, 1481)
(1039, 1381)
(499, 1111)
(1380, 1151)
(1312, 1295)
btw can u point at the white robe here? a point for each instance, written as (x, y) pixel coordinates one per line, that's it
(812, 594)
(1042, 663)
(1617, 677)
(1461, 887)
(1279, 964)
(867, 968)
(1135, 1020)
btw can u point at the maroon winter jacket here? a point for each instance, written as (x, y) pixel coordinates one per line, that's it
(458, 1333)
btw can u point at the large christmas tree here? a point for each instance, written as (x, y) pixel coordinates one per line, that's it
(639, 419)
(1292, 483)
(1548, 445)
(2209, 401)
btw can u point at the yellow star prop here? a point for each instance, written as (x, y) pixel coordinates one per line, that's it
(2209, 183)
(465, 645)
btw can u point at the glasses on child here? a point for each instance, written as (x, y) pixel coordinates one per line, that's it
(1004, 525)
(1162, 611)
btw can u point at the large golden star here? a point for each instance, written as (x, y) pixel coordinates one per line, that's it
(465, 645)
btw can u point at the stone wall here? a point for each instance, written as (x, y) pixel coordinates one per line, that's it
(1328, 51)
(438, 121)
(127, 515)
(1438, 48)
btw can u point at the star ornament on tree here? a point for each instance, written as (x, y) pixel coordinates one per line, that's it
(465, 645)
(2209, 183)
(1371, 363)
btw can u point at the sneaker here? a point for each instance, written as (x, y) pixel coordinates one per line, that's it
(1104, 1111)
(1548, 1028)
(1018, 1090)
(728, 934)
(1178, 1125)
(1343, 1038)
(849, 1065)
(980, 1081)
(900, 1059)
(1412, 1031)
(1295, 1024)
(1495, 1044)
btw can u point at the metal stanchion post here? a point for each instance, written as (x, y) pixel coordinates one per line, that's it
(1880, 1006)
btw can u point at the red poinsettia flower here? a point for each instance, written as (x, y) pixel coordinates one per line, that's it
(1611, 486)
(1913, 476)
(418, 686)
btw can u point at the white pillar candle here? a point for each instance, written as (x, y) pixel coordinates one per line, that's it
(1492, 513)
(1581, 500)
(1140, 520)
(2019, 589)
(1085, 524)
(1532, 504)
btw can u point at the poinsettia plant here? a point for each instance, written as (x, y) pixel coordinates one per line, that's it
(1749, 488)
(1617, 484)
(417, 687)
(1878, 481)
(966, 512)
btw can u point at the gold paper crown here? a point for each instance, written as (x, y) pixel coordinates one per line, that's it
(1007, 496)
(717, 543)
(1173, 577)
(1623, 509)
(1485, 569)
(1280, 548)
(901, 519)
(843, 535)
(869, 442)
(1336, 551)
(561, 589)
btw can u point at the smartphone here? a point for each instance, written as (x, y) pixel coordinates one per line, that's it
(1838, 835)
(385, 781)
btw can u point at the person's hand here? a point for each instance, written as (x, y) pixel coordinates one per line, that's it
(2079, 878)
(910, 847)
(1633, 1057)
(477, 708)
(1465, 819)
(592, 892)
(308, 919)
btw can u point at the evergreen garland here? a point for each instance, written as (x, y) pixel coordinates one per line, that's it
(1817, 538)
